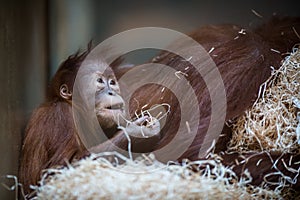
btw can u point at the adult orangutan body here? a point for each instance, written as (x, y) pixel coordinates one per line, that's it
(244, 60)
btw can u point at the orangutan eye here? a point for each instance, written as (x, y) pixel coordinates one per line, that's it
(112, 82)
(100, 80)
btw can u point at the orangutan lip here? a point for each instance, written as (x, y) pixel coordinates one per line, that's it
(115, 107)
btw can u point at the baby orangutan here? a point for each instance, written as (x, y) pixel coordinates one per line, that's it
(51, 137)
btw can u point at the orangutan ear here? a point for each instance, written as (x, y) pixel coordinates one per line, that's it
(64, 92)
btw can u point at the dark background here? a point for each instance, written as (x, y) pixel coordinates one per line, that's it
(36, 35)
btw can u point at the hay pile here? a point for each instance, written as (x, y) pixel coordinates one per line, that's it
(274, 120)
(97, 178)
(272, 123)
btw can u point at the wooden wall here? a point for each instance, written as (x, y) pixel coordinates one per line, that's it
(23, 50)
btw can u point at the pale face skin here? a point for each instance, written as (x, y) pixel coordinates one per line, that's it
(109, 103)
(110, 108)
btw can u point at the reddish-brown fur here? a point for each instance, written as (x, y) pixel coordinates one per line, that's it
(244, 64)
(51, 137)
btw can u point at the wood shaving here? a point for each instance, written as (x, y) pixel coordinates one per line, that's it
(188, 126)
(211, 50)
(145, 178)
(272, 121)
(274, 50)
(256, 13)
(242, 31)
(297, 34)
(178, 73)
